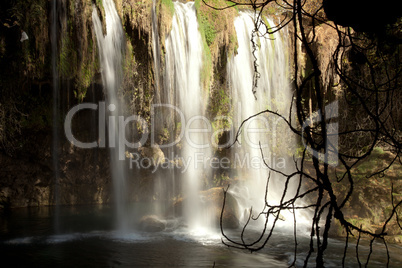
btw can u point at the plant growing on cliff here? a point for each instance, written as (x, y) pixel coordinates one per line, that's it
(217, 32)
(367, 64)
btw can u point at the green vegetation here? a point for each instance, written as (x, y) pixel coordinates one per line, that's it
(101, 13)
(130, 64)
(370, 203)
(84, 79)
(208, 34)
(207, 27)
(67, 55)
(168, 4)
(220, 108)
(217, 32)
(78, 59)
(164, 136)
(207, 70)
(165, 12)
(70, 67)
(220, 179)
(230, 3)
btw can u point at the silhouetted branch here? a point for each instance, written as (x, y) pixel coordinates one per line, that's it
(374, 95)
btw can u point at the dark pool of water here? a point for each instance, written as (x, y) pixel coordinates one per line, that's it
(85, 237)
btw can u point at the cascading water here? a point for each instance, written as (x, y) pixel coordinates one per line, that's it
(183, 66)
(163, 183)
(111, 49)
(273, 92)
(182, 87)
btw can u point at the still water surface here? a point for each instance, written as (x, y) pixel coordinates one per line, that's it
(86, 239)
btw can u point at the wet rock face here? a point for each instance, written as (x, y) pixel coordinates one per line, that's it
(324, 40)
(84, 178)
(154, 154)
(27, 187)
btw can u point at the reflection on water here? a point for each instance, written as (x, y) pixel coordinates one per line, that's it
(86, 238)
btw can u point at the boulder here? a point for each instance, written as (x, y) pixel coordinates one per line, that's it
(153, 153)
(212, 201)
(151, 223)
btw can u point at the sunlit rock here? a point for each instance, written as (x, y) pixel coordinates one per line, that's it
(151, 223)
(211, 206)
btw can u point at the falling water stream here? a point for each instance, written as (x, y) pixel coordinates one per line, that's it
(264, 137)
(86, 236)
(183, 67)
(182, 88)
(164, 184)
(111, 48)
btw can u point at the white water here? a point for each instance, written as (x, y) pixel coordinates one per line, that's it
(273, 92)
(183, 66)
(182, 88)
(164, 184)
(110, 53)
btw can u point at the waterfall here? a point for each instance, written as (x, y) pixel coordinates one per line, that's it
(110, 53)
(55, 141)
(179, 85)
(273, 92)
(162, 183)
(184, 52)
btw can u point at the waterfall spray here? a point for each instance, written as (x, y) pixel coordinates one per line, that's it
(273, 92)
(161, 183)
(183, 66)
(110, 53)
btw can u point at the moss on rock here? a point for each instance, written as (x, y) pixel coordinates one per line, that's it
(78, 57)
(218, 34)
